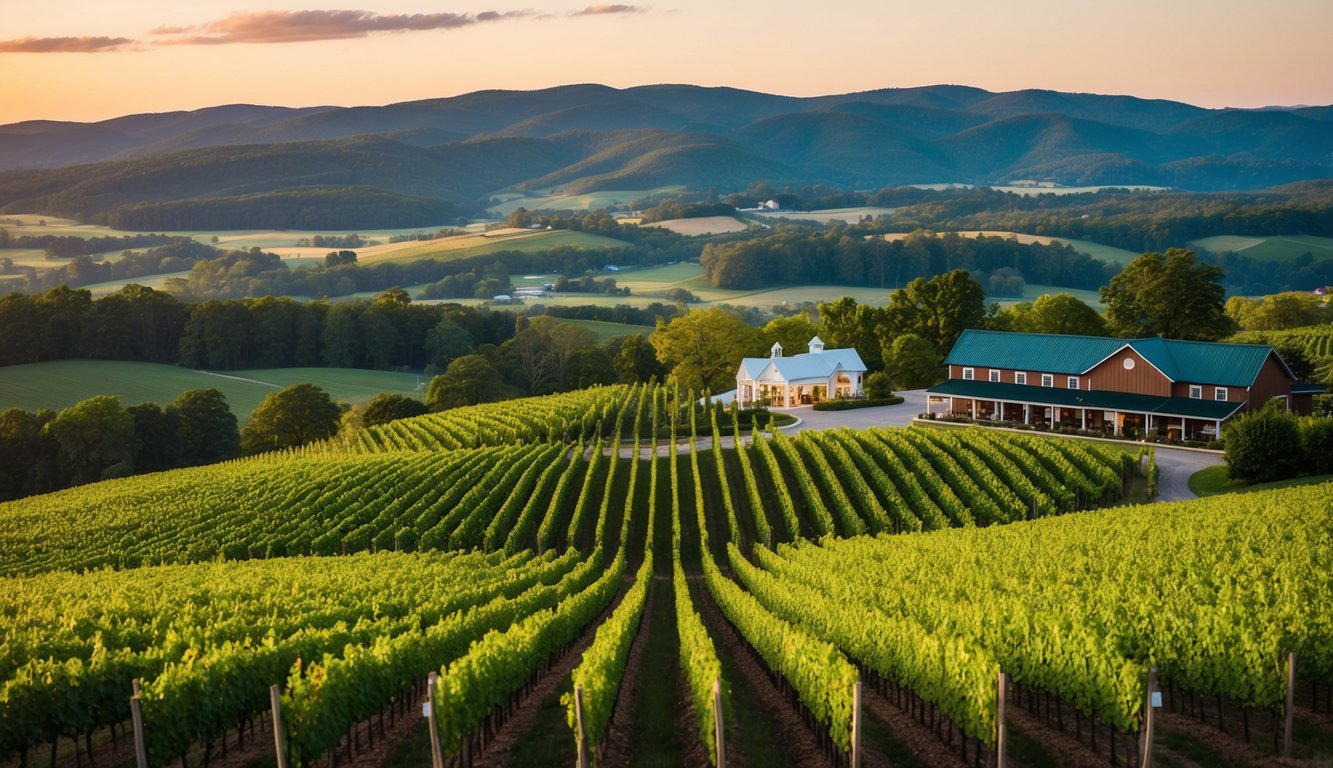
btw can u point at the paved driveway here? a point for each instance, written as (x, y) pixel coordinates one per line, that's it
(900, 415)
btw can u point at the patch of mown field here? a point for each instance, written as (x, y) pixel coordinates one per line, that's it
(1107, 253)
(1281, 248)
(589, 201)
(704, 225)
(62, 383)
(464, 246)
(849, 215)
(605, 330)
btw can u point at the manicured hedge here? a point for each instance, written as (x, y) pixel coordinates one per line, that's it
(847, 405)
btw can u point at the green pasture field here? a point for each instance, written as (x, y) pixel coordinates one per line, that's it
(1105, 253)
(1282, 248)
(464, 246)
(157, 282)
(704, 225)
(605, 330)
(849, 215)
(62, 383)
(590, 201)
(1029, 191)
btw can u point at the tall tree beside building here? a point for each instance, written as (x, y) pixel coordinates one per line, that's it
(1170, 295)
(938, 310)
(703, 349)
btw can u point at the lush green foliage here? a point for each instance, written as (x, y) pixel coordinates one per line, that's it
(1263, 446)
(1057, 617)
(1170, 295)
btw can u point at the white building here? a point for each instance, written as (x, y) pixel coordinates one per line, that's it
(786, 382)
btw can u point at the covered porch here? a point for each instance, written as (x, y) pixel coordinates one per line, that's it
(1110, 413)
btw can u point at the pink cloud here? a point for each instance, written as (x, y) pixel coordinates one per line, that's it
(608, 8)
(64, 44)
(307, 26)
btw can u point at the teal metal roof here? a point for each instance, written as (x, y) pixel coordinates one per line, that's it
(1308, 389)
(1049, 352)
(1210, 410)
(1199, 362)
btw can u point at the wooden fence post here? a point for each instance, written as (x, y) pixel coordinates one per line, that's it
(1291, 704)
(275, 701)
(136, 714)
(1152, 701)
(433, 723)
(718, 738)
(857, 725)
(580, 737)
(1001, 735)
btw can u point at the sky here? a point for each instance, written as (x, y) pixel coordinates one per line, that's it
(88, 60)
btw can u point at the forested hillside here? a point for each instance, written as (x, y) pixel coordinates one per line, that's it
(400, 160)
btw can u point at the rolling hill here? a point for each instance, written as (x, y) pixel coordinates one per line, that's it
(461, 150)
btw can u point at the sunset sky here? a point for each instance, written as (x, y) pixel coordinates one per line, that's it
(91, 59)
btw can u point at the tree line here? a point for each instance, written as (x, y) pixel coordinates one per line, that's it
(145, 325)
(855, 255)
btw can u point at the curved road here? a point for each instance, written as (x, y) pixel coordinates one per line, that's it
(1174, 465)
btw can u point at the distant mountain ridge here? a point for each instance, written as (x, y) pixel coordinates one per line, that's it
(586, 137)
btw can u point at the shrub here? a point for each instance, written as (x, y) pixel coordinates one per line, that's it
(1264, 446)
(878, 386)
(1317, 442)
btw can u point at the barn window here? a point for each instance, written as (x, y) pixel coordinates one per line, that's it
(994, 375)
(1047, 380)
(1020, 377)
(968, 374)
(1196, 392)
(1219, 393)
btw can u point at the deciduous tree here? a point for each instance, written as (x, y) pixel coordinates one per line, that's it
(96, 438)
(938, 310)
(388, 407)
(1170, 295)
(704, 348)
(207, 427)
(912, 362)
(469, 380)
(289, 418)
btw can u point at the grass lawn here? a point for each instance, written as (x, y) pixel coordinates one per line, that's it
(1214, 480)
(62, 383)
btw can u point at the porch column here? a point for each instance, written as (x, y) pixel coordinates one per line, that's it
(974, 409)
(1083, 419)
(1115, 422)
(1217, 429)
(1027, 414)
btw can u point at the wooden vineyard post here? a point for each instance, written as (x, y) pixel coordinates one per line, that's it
(136, 714)
(1001, 745)
(718, 738)
(857, 725)
(432, 722)
(580, 737)
(1153, 700)
(275, 701)
(1291, 704)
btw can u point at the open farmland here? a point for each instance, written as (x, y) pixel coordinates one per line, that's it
(1275, 249)
(465, 246)
(848, 215)
(703, 225)
(62, 383)
(523, 527)
(1107, 253)
(589, 201)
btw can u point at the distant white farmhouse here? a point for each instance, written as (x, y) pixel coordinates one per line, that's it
(786, 382)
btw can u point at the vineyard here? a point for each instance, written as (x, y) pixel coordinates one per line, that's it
(480, 548)
(1315, 342)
